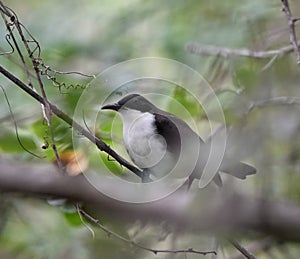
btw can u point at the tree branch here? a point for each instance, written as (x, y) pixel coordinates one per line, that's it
(242, 249)
(291, 23)
(257, 246)
(280, 100)
(211, 50)
(222, 214)
(99, 143)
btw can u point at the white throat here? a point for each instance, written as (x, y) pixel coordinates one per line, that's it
(144, 146)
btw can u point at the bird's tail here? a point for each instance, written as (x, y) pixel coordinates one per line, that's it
(239, 170)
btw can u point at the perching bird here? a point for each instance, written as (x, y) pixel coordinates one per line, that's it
(156, 140)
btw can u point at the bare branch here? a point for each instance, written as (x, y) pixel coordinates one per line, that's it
(131, 242)
(80, 214)
(291, 23)
(281, 100)
(211, 50)
(99, 143)
(242, 249)
(222, 214)
(257, 247)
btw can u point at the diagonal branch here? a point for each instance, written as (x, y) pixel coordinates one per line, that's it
(98, 142)
(242, 249)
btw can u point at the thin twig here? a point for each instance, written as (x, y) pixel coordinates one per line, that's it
(15, 124)
(4, 10)
(12, 36)
(242, 249)
(269, 64)
(78, 209)
(258, 246)
(45, 105)
(291, 23)
(48, 68)
(131, 242)
(3, 52)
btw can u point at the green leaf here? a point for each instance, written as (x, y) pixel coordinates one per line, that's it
(73, 219)
(111, 164)
(10, 143)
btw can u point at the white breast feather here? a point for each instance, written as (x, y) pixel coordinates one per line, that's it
(144, 146)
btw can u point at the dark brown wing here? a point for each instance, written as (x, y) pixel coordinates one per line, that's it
(167, 128)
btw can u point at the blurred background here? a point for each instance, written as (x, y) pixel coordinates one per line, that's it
(90, 36)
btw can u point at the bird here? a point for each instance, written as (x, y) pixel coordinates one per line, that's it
(156, 140)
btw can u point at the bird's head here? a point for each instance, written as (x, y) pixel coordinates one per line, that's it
(134, 102)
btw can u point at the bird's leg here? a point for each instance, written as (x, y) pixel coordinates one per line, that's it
(145, 175)
(188, 182)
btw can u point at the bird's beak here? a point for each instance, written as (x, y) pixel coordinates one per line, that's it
(114, 106)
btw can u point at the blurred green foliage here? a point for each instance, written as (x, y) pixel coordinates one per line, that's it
(90, 36)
